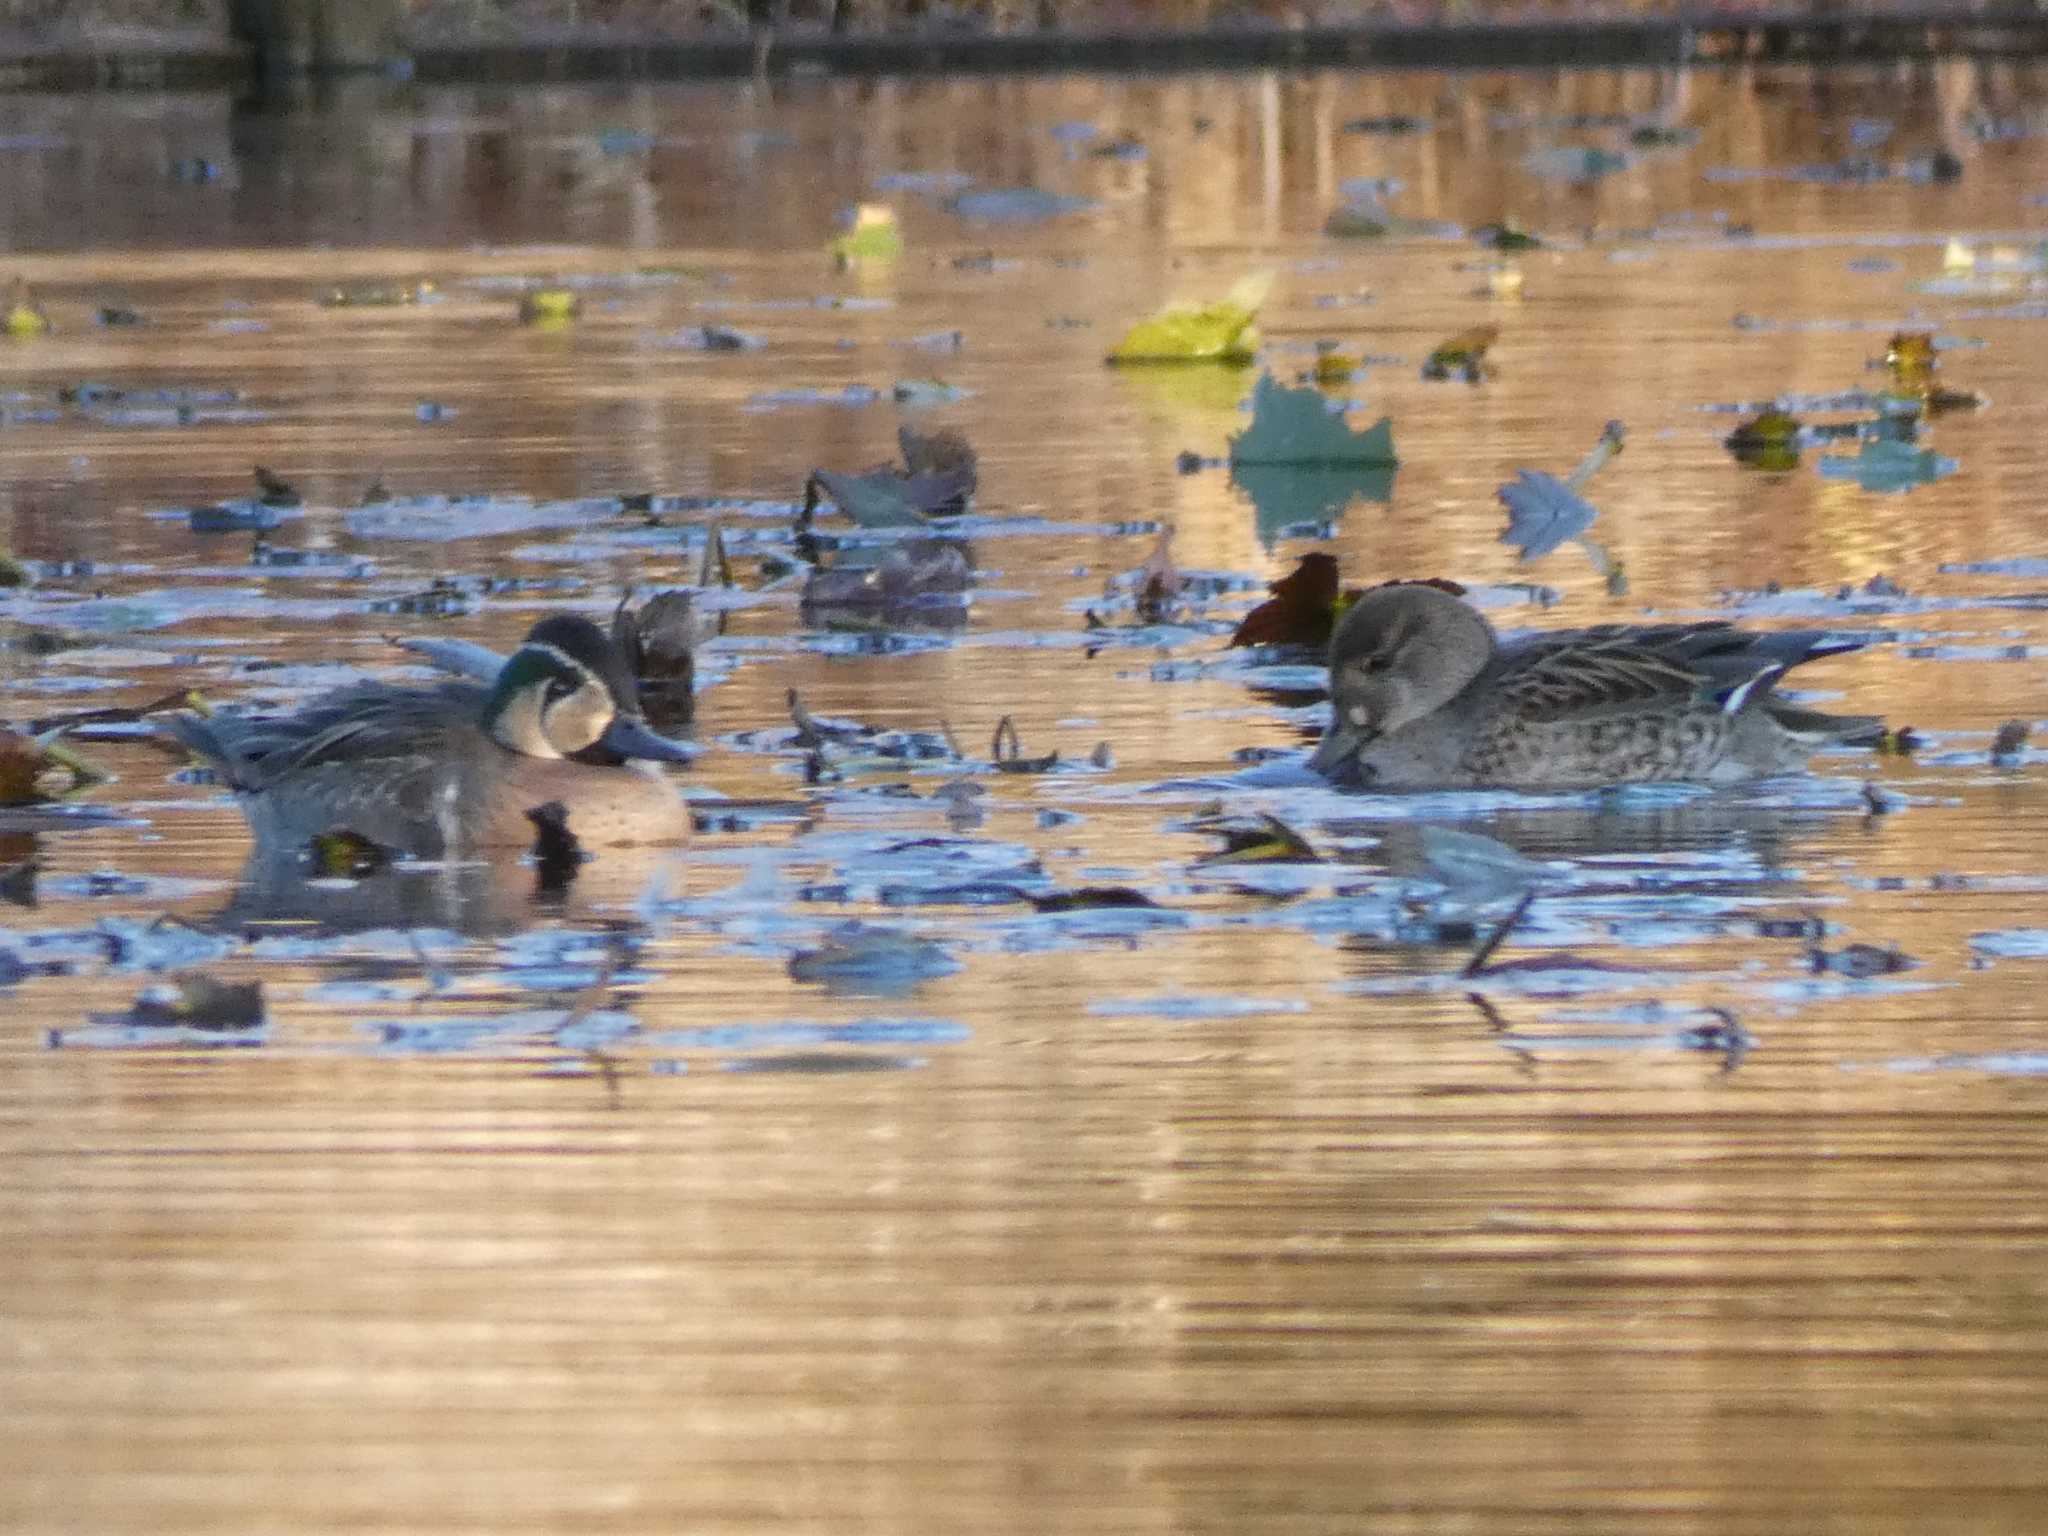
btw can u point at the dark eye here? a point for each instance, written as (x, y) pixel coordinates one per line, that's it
(1379, 661)
(558, 689)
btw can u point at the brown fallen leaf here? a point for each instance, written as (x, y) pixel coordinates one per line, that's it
(1463, 356)
(1302, 609)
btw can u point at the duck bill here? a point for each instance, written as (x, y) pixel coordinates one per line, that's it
(629, 736)
(1336, 757)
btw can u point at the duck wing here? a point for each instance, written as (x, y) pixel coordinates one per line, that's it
(376, 727)
(1616, 668)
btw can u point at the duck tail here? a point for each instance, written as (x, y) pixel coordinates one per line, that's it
(195, 733)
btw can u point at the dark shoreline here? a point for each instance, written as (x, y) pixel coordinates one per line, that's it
(1705, 37)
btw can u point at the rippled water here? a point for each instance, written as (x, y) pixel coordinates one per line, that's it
(628, 1210)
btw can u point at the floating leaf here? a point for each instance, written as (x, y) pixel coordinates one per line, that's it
(1771, 428)
(871, 236)
(199, 1002)
(1506, 236)
(546, 307)
(1911, 358)
(21, 762)
(1302, 609)
(1543, 512)
(1093, 898)
(1888, 467)
(1334, 368)
(1222, 332)
(1299, 427)
(1268, 840)
(1463, 356)
(23, 316)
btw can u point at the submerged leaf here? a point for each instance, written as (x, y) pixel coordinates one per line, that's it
(340, 854)
(1297, 426)
(1222, 332)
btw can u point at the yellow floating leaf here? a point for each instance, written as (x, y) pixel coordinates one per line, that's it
(873, 237)
(1912, 361)
(24, 316)
(1222, 332)
(1336, 368)
(550, 306)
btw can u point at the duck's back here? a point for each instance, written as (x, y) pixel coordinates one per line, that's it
(1633, 704)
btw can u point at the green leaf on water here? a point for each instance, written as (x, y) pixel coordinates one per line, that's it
(1299, 426)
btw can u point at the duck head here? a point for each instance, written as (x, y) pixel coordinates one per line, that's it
(1401, 652)
(567, 692)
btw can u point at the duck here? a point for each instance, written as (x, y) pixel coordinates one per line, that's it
(457, 768)
(1424, 695)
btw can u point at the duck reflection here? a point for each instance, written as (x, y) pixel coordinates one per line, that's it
(486, 897)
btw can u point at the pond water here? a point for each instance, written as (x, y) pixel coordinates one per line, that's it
(662, 1204)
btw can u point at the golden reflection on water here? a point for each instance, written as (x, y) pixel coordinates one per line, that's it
(1345, 1255)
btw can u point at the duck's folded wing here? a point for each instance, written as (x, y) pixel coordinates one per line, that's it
(1595, 671)
(1618, 667)
(366, 726)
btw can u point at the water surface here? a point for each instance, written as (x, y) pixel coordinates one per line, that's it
(1248, 1214)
